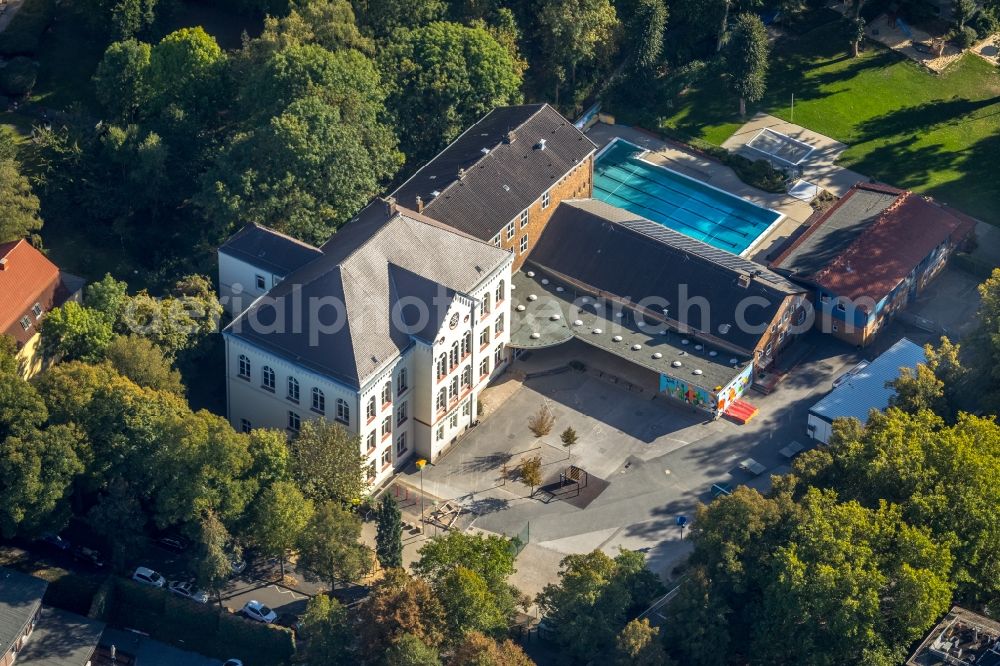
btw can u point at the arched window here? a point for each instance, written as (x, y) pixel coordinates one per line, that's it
(293, 389)
(267, 378)
(442, 399)
(244, 366)
(442, 365)
(371, 441)
(466, 344)
(343, 411)
(501, 291)
(453, 358)
(319, 401)
(484, 308)
(387, 393)
(467, 376)
(370, 410)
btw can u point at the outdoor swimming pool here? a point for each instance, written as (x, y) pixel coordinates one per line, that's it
(622, 178)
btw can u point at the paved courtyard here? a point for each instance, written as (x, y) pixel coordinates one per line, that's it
(659, 458)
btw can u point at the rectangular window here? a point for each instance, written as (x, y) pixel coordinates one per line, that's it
(25, 323)
(401, 382)
(453, 420)
(496, 240)
(36, 310)
(498, 325)
(467, 408)
(401, 413)
(245, 425)
(453, 388)
(524, 243)
(484, 337)
(294, 422)
(442, 399)
(440, 433)
(524, 218)
(510, 229)
(401, 445)
(484, 367)
(261, 283)
(546, 200)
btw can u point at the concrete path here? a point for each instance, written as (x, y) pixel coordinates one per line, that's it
(819, 167)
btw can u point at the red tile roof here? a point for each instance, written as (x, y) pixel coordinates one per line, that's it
(886, 252)
(27, 278)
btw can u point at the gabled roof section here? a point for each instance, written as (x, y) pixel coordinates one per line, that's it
(871, 240)
(343, 325)
(28, 277)
(20, 597)
(496, 168)
(619, 253)
(268, 249)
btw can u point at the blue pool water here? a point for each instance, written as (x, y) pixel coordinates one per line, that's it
(683, 204)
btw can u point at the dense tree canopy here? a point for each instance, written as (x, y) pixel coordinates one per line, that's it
(747, 56)
(19, 207)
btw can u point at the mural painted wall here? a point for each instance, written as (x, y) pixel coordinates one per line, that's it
(735, 389)
(689, 393)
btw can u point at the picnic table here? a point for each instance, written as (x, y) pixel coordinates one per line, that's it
(792, 450)
(752, 466)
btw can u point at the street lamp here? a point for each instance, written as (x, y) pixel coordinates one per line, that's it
(420, 465)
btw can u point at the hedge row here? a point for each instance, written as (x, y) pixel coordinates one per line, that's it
(756, 173)
(25, 31)
(202, 628)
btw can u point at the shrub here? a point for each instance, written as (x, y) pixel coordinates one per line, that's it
(985, 23)
(25, 30)
(540, 423)
(965, 37)
(18, 77)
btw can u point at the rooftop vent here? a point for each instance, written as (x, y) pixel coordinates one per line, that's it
(541, 144)
(485, 151)
(461, 173)
(506, 188)
(697, 371)
(724, 328)
(511, 137)
(434, 194)
(744, 281)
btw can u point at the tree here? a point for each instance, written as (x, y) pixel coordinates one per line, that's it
(398, 605)
(541, 422)
(490, 556)
(184, 69)
(327, 627)
(144, 363)
(327, 23)
(917, 390)
(389, 534)
(8, 355)
(271, 457)
(593, 599)
(648, 23)
(279, 517)
(477, 649)
(321, 170)
(74, 332)
(962, 11)
(328, 546)
(178, 321)
(327, 462)
(383, 17)
(18, 204)
(698, 626)
(575, 33)
(408, 650)
(855, 30)
(109, 297)
(568, 438)
(36, 475)
(638, 645)
(120, 79)
(125, 18)
(443, 78)
(213, 565)
(747, 59)
(119, 518)
(530, 471)
(469, 604)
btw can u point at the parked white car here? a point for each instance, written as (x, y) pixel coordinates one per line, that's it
(188, 591)
(148, 577)
(258, 611)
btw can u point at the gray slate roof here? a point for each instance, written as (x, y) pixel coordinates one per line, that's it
(837, 229)
(366, 269)
(269, 249)
(61, 639)
(501, 178)
(866, 390)
(618, 252)
(20, 597)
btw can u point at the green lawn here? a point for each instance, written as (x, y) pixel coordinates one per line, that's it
(937, 134)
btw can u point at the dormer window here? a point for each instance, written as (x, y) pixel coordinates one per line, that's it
(36, 310)
(25, 323)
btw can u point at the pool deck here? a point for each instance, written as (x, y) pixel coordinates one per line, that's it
(673, 156)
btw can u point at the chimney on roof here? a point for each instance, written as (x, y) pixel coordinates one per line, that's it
(744, 281)
(3, 263)
(390, 206)
(461, 173)
(511, 137)
(420, 204)
(541, 144)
